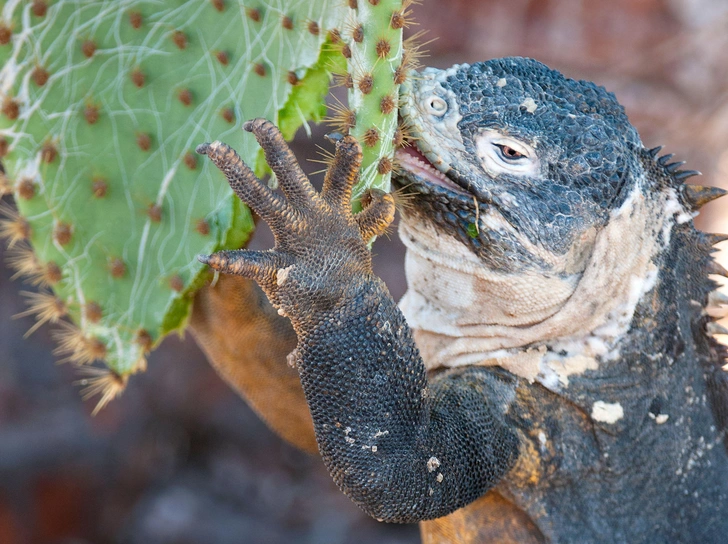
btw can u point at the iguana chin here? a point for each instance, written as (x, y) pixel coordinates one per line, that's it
(554, 379)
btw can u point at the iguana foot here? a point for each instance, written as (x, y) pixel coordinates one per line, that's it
(319, 243)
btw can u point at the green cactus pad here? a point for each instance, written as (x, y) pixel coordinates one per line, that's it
(376, 48)
(103, 103)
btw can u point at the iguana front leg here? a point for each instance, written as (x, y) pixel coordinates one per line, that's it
(402, 448)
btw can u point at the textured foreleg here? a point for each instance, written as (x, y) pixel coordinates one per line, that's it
(403, 448)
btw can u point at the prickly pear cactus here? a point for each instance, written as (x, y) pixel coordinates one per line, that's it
(374, 73)
(103, 102)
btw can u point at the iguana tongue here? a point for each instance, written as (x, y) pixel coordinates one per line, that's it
(412, 160)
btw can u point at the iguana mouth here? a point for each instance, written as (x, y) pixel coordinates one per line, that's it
(413, 161)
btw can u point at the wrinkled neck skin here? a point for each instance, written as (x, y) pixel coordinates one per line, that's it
(540, 325)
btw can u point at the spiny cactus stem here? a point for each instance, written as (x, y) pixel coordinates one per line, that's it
(376, 53)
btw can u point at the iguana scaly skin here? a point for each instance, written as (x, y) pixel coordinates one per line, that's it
(553, 379)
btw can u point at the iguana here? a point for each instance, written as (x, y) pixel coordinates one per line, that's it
(550, 376)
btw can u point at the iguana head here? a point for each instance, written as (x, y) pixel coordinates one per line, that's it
(537, 218)
(544, 158)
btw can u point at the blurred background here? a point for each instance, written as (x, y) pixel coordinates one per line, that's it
(179, 458)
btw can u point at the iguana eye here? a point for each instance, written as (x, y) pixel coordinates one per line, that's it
(499, 153)
(436, 106)
(508, 153)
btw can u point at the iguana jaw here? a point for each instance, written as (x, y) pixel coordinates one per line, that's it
(418, 168)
